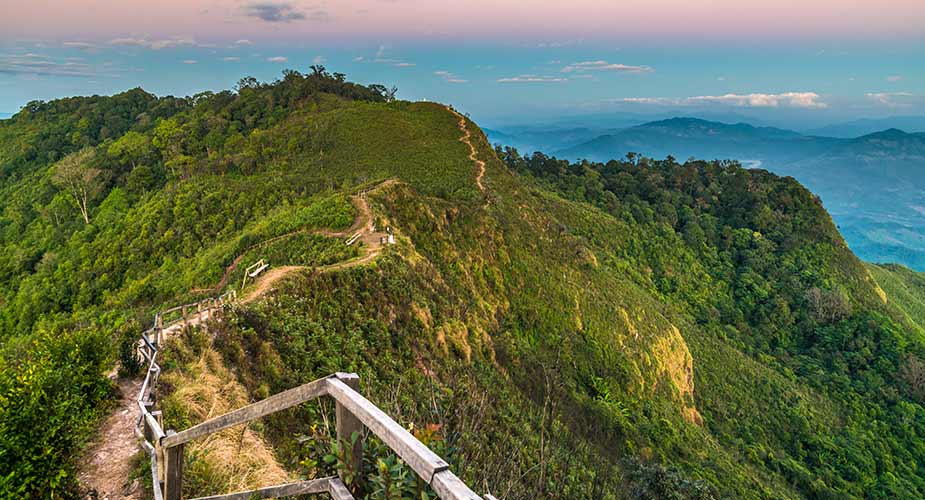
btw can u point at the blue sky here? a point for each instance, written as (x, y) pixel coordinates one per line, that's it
(500, 76)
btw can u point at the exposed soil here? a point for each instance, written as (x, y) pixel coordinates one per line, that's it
(467, 140)
(107, 461)
(106, 464)
(372, 246)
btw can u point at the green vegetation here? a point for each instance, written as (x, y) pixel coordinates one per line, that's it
(641, 328)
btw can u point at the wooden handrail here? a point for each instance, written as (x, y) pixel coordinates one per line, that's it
(272, 404)
(353, 412)
(331, 485)
(425, 462)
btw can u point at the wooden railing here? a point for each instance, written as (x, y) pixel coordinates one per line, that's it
(150, 423)
(353, 412)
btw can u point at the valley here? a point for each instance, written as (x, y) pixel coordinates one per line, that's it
(871, 184)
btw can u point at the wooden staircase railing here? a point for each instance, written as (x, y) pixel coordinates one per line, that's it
(353, 413)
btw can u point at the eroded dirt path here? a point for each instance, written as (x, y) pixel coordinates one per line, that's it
(467, 140)
(372, 246)
(106, 463)
(362, 223)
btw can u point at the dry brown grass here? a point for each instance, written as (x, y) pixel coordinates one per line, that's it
(232, 460)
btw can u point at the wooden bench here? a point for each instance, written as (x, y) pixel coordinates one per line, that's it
(253, 270)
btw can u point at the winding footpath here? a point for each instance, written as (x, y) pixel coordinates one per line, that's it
(473, 155)
(371, 239)
(106, 463)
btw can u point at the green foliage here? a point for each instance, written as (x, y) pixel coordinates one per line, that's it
(707, 320)
(51, 392)
(162, 209)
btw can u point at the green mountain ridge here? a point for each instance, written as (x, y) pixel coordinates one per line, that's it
(868, 183)
(638, 329)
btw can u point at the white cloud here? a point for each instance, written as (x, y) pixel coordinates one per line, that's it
(894, 78)
(807, 100)
(190, 61)
(380, 58)
(449, 77)
(167, 43)
(231, 59)
(279, 59)
(79, 45)
(531, 79)
(605, 66)
(319, 60)
(34, 65)
(244, 41)
(892, 99)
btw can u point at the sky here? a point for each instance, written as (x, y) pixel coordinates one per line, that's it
(781, 62)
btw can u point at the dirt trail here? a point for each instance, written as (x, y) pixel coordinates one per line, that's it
(106, 463)
(467, 140)
(372, 245)
(362, 222)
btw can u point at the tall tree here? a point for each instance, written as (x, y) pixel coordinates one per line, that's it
(76, 175)
(133, 147)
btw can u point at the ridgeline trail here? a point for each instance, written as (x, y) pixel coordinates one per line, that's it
(107, 462)
(362, 222)
(467, 140)
(369, 236)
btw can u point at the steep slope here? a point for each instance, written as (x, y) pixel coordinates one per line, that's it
(872, 185)
(595, 331)
(905, 290)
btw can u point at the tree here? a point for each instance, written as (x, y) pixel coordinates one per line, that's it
(79, 179)
(913, 373)
(133, 147)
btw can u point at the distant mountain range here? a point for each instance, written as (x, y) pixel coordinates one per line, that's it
(873, 184)
(867, 126)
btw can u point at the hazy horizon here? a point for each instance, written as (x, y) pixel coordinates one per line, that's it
(777, 62)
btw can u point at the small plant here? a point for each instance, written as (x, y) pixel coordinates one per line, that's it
(129, 361)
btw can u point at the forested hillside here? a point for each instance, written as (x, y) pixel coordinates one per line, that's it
(635, 329)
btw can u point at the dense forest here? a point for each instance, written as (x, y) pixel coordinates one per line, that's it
(641, 328)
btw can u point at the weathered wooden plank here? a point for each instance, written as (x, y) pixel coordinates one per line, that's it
(425, 462)
(449, 487)
(156, 487)
(277, 402)
(156, 433)
(284, 490)
(173, 470)
(347, 424)
(338, 491)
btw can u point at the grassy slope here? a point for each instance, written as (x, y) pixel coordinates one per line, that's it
(905, 290)
(528, 298)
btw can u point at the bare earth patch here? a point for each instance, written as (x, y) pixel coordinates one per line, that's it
(106, 464)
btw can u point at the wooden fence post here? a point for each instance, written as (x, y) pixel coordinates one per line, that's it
(173, 475)
(347, 424)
